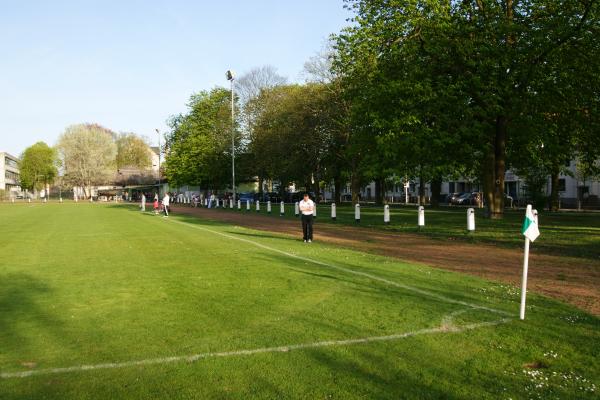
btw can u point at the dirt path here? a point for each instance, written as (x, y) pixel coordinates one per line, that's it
(574, 280)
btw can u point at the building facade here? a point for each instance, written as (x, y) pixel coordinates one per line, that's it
(9, 174)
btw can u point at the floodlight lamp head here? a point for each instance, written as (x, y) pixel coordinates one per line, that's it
(230, 75)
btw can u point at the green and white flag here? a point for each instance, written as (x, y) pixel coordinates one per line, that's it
(530, 227)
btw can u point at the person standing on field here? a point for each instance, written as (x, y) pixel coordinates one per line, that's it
(143, 202)
(166, 201)
(307, 207)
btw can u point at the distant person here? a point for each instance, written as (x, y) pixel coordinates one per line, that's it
(143, 202)
(211, 199)
(165, 202)
(307, 207)
(155, 205)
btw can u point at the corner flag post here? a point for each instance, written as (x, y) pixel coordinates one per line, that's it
(531, 232)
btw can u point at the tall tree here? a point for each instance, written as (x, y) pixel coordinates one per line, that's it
(87, 153)
(199, 145)
(486, 64)
(132, 151)
(38, 166)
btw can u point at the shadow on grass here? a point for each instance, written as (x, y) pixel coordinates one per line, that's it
(23, 317)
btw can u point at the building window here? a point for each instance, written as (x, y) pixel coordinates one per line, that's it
(10, 162)
(562, 185)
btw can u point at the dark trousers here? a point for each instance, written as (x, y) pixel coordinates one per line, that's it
(307, 226)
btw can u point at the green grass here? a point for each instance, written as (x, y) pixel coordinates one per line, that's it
(574, 234)
(86, 284)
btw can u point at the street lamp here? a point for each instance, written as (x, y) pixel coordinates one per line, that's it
(158, 133)
(230, 77)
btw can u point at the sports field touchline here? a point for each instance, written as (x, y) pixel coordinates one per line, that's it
(446, 325)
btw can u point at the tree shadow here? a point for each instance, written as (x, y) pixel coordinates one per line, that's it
(23, 317)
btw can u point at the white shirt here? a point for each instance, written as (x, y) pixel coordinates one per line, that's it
(166, 200)
(306, 207)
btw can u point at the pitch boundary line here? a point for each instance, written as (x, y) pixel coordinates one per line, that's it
(279, 349)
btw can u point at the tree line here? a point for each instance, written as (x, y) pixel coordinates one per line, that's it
(420, 89)
(85, 155)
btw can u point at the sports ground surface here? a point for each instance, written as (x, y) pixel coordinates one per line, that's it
(102, 301)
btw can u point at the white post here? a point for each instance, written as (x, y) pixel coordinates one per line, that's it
(421, 216)
(296, 209)
(247, 205)
(205, 202)
(333, 212)
(239, 204)
(357, 213)
(282, 209)
(386, 214)
(471, 219)
(29, 199)
(524, 282)
(257, 205)
(269, 206)
(60, 200)
(231, 203)
(315, 211)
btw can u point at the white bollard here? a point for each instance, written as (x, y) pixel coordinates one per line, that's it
(257, 206)
(386, 214)
(315, 211)
(205, 202)
(357, 213)
(247, 205)
(231, 203)
(239, 204)
(333, 212)
(29, 200)
(296, 209)
(282, 209)
(421, 216)
(269, 206)
(471, 219)
(60, 199)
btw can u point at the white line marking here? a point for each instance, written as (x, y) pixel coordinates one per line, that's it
(447, 325)
(279, 349)
(350, 271)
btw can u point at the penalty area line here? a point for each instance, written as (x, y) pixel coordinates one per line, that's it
(249, 352)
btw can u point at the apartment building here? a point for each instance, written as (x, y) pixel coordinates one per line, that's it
(9, 173)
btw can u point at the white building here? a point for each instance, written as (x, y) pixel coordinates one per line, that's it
(9, 174)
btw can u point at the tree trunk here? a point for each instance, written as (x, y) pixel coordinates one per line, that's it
(355, 187)
(379, 190)
(554, 199)
(436, 189)
(499, 167)
(421, 191)
(494, 171)
(337, 184)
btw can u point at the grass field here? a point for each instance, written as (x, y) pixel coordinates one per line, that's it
(567, 233)
(102, 301)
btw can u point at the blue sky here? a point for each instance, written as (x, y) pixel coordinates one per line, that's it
(130, 64)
